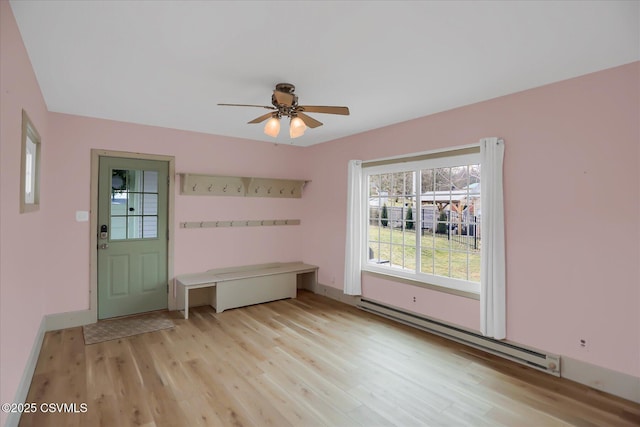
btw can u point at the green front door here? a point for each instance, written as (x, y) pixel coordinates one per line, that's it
(132, 236)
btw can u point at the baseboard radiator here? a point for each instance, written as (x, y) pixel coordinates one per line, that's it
(547, 363)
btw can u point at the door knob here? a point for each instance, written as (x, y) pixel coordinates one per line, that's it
(103, 246)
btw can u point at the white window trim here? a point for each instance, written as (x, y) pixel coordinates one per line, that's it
(30, 134)
(402, 164)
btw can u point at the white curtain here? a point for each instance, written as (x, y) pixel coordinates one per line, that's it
(492, 277)
(353, 248)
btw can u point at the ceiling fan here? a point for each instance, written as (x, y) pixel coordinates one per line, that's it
(285, 104)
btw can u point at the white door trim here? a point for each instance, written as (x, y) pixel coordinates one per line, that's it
(93, 221)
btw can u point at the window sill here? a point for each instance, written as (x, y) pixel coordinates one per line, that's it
(398, 278)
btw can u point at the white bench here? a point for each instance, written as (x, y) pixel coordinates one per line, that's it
(247, 285)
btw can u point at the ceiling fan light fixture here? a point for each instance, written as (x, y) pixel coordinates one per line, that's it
(296, 127)
(284, 103)
(272, 127)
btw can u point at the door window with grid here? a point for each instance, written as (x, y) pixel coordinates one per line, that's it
(134, 204)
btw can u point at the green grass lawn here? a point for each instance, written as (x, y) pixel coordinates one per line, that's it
(439, 255)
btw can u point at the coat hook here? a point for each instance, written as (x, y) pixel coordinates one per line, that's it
(247, 224)
(292, 190)
(269, 190)
(256, 190)
(282, 190)
(200, 224)
(239, 188)
(262, 222)
(210, 187)
(194, 187)
(225, 188)
(216, 223)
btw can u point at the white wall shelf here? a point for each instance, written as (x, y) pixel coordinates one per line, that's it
(212, 185)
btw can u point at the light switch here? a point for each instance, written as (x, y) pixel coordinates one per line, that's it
(82, 216)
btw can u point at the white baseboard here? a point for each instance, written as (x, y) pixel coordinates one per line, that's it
(599, 378)
(70, 319)
(27, 375)
(336, 294)
(50, 322)
(603, 379)
(613, 382)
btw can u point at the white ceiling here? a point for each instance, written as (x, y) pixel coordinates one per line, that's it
(168, 63)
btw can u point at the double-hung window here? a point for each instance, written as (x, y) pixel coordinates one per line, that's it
(423, 218)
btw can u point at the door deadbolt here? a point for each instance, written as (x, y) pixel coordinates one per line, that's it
(104, 231)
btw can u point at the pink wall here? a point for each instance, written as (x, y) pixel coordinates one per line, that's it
(58, 278)
(572, 206)
(195, 249)
(22, 284)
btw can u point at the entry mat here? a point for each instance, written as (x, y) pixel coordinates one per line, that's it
(107, 330)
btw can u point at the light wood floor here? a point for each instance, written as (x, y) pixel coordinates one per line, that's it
(305, 362)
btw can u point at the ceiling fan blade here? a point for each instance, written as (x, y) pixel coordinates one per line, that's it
(309, 121)
(249, 105)
(344, 111)
(283, 98)
(261, 118)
